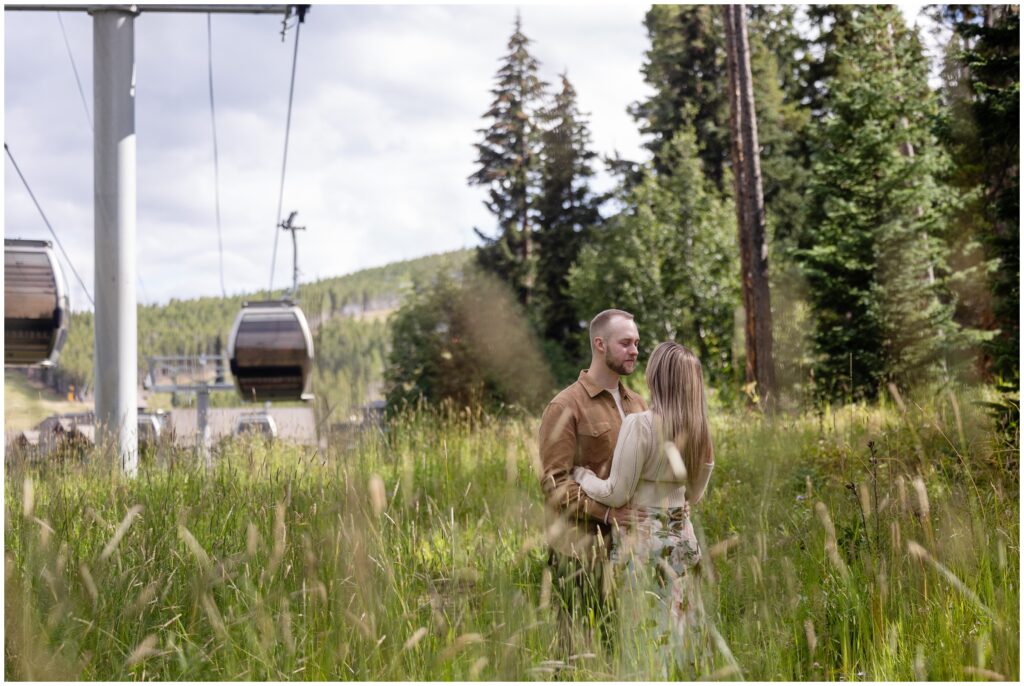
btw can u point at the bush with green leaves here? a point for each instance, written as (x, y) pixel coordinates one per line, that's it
(463, 339)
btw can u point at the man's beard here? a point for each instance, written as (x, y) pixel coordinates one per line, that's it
(620, 368)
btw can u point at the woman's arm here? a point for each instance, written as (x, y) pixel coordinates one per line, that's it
(627, 464)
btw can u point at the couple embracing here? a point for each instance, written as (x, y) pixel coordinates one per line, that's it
(619, 478)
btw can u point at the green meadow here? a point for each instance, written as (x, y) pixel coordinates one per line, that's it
(863, 543)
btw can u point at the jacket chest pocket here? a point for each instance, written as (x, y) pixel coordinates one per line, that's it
(595, 446)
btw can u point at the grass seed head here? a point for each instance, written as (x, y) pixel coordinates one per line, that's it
(458, 644)
(474, 671)
(197, 550)
(837, 561)
(812, 637)
(511, 463)
(146, 648)
(865, 500)
(897, 397)
(675, 461)
(285, 620)
(145, 597)
(722, 548)
(416, 637)
(726, 673)
(28, 498)
(545, 589)
(920, 672)
(252, 539)
(88, 583)
(378, 494)
(923, 508)
(755, 569)
(213, 614)
(826, 521)
(901, 490)
(984, 673)
(122, 529)
(280, 538)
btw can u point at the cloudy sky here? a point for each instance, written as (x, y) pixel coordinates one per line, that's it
(387, 103)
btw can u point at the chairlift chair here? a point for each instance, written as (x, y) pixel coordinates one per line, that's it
(36, 305)
(271, 352)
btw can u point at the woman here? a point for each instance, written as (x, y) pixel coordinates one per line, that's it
(662, 463)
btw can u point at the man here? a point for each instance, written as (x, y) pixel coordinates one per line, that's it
(580, 428)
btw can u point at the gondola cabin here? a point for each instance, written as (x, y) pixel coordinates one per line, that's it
(271, 352)
(36, 307)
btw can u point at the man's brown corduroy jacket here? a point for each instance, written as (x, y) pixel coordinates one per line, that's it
(580, 428)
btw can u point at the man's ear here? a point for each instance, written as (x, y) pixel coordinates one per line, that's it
(599, 344)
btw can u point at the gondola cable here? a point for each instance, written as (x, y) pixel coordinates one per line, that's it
(216, 159)
(78, 81)
(88, 117)
(270, 347)
(48, 225)
(301, 10)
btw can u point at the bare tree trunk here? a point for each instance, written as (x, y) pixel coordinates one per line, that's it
(760, 367)
(739, 177)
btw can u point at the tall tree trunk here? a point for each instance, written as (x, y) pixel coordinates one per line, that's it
(760, 366)
(738, 171)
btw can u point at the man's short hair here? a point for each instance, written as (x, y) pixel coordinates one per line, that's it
(599, 324)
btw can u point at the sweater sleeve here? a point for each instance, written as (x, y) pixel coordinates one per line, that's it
(627, 465)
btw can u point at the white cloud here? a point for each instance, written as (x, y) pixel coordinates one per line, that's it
(387, 103)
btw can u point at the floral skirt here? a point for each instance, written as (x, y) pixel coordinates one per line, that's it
(666, 535)
(663, 551)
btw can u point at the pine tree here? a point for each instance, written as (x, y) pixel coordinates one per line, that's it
(993, 63)
(508, 159)
(872, 259)
(669, 258)
(981, 130)
(775, 28)
(686, 67)
(567, 210)
(783, 123)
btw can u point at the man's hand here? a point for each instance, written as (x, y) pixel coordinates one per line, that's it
(626, 516)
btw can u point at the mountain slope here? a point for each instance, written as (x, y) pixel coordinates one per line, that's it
(348, 315)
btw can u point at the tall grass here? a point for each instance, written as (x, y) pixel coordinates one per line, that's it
(860, 543)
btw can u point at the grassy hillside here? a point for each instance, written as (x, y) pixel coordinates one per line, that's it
(347, 313)
(27, 403)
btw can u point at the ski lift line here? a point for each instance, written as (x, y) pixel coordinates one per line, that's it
(284, 161)
(88, 118)
(74, 68)
(215, 9)
(48, 225)
(216, 159)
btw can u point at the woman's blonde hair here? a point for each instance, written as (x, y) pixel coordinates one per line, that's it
(677, 400)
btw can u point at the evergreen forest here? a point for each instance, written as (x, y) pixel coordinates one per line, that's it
(856, 227)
